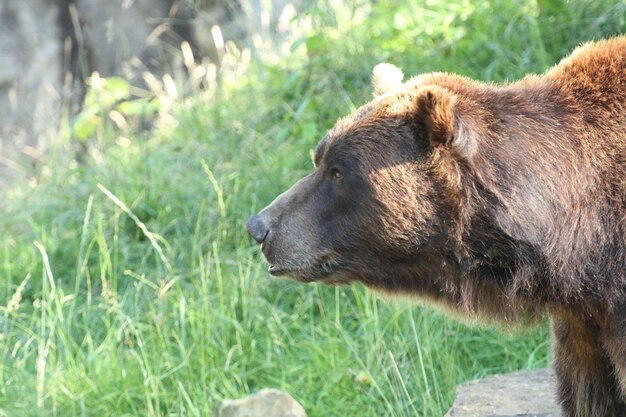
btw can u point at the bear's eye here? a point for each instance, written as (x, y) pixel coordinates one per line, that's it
(336, 174)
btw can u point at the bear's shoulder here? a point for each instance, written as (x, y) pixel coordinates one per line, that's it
(594, 72)
(607, 52)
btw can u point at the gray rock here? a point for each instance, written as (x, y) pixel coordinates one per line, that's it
(265, 403)
(30, 79)
(116, 32)
(519, 394)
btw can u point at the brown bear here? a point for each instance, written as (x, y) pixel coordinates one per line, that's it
(502, 202)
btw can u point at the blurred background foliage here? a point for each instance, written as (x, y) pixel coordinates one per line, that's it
(128, 285)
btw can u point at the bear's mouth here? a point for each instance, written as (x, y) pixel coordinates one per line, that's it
(324, 269)
(279, 271)
(308, 276)
(303, 274)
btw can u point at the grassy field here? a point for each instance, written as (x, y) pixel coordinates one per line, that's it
(128, 286)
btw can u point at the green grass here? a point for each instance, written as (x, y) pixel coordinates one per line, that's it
(128, 286)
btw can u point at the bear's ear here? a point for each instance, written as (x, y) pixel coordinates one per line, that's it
(436, 113)
(386, 77)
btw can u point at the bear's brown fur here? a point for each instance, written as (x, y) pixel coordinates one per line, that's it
(499, 201)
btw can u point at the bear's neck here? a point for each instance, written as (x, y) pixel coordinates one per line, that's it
(540, 216)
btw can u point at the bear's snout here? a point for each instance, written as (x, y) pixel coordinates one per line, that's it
(294, 234)
(257, 228)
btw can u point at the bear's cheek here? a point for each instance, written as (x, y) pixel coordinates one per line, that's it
(403, 210)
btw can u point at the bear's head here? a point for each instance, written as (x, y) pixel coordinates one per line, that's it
(384, 196)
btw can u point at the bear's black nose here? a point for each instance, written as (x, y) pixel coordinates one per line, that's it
(257, 229)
